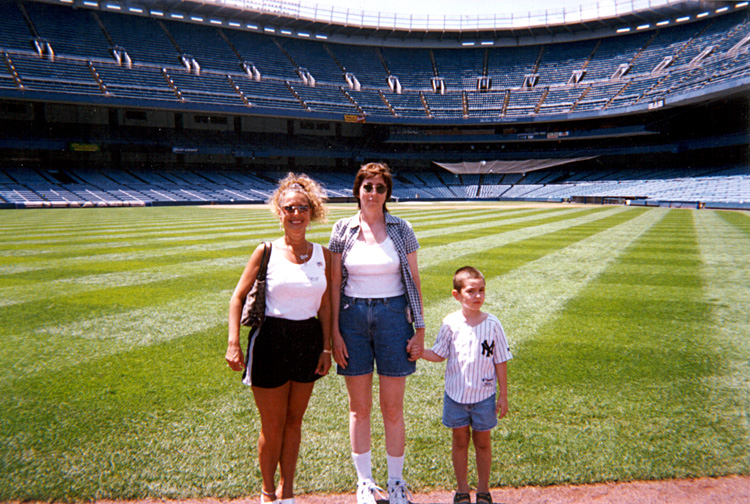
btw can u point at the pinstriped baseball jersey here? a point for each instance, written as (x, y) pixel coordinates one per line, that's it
(472, 353)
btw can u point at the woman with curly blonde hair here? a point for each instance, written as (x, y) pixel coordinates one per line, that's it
(292, 348)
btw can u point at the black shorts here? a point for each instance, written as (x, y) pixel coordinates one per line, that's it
(283, 350)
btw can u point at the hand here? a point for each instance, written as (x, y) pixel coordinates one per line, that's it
(501, 409)
(234, 358)
(415, 347)
(340, 353)
(324, 364)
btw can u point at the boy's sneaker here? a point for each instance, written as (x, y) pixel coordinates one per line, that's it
(367, 491)
(398, 493)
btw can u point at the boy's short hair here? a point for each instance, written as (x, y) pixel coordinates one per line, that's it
(463, 274)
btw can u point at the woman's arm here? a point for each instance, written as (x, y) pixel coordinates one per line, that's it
(234, 356)
(340, 354)
(324, 315)
(415, 347)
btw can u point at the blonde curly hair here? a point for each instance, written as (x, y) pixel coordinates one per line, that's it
(301, 183)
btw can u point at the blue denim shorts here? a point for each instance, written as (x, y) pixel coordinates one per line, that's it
(479, 416)
(376, 332)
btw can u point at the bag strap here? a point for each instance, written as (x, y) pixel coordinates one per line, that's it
(264, 262)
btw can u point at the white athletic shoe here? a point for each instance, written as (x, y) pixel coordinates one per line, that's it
(367, 492)
(398, 493)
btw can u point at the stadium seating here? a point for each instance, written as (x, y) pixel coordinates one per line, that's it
(120, 56)
(33, 188)
(93, 56)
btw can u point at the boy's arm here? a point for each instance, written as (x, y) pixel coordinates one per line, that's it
(501, 370)
(431, 356)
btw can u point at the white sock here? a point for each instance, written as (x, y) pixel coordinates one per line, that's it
(395, 468)
(363, 465)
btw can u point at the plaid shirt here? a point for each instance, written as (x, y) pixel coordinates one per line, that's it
(344, 235)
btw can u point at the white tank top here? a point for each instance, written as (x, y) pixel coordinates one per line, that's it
(373, 271)
(293, 291)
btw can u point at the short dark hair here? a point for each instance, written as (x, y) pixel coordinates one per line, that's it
(463, 274)
(370, 170)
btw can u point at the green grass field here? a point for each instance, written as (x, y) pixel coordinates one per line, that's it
(629, 328)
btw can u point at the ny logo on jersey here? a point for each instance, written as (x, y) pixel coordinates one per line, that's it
(488, 350)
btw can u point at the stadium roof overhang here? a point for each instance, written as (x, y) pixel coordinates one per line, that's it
(296, 19)
(516, 166)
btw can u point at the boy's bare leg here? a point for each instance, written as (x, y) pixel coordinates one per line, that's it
(483, 447)
(460, 453)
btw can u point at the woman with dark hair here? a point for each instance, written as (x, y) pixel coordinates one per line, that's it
(292, 348)
(377, 322)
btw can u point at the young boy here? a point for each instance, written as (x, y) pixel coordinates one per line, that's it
(474, 344)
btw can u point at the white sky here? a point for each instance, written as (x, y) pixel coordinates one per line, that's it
(454, 7)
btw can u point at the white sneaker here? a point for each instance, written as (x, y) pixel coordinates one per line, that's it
(367, 491)
(398, 493)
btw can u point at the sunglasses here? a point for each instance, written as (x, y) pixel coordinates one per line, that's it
(290, 209)
(380, 188)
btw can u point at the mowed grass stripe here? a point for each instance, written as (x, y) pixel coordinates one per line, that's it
(82, 239)
(33, 235)
(78, 330)
(79, 284)
(488, 221)
(163, 220)
(427, 220)
(90, 415)
(739, 220)
(146, 249)
(162, 420)
(614, 386)
(524, 298)
(532, 294)
(433, 255)
(724, 250)
(156, 222)
(111, 314)
(70, 255)
(92, 248)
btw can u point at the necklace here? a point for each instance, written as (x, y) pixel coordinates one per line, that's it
(301, 257)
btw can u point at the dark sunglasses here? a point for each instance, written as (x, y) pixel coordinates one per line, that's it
(380, 188)
(290, 209)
